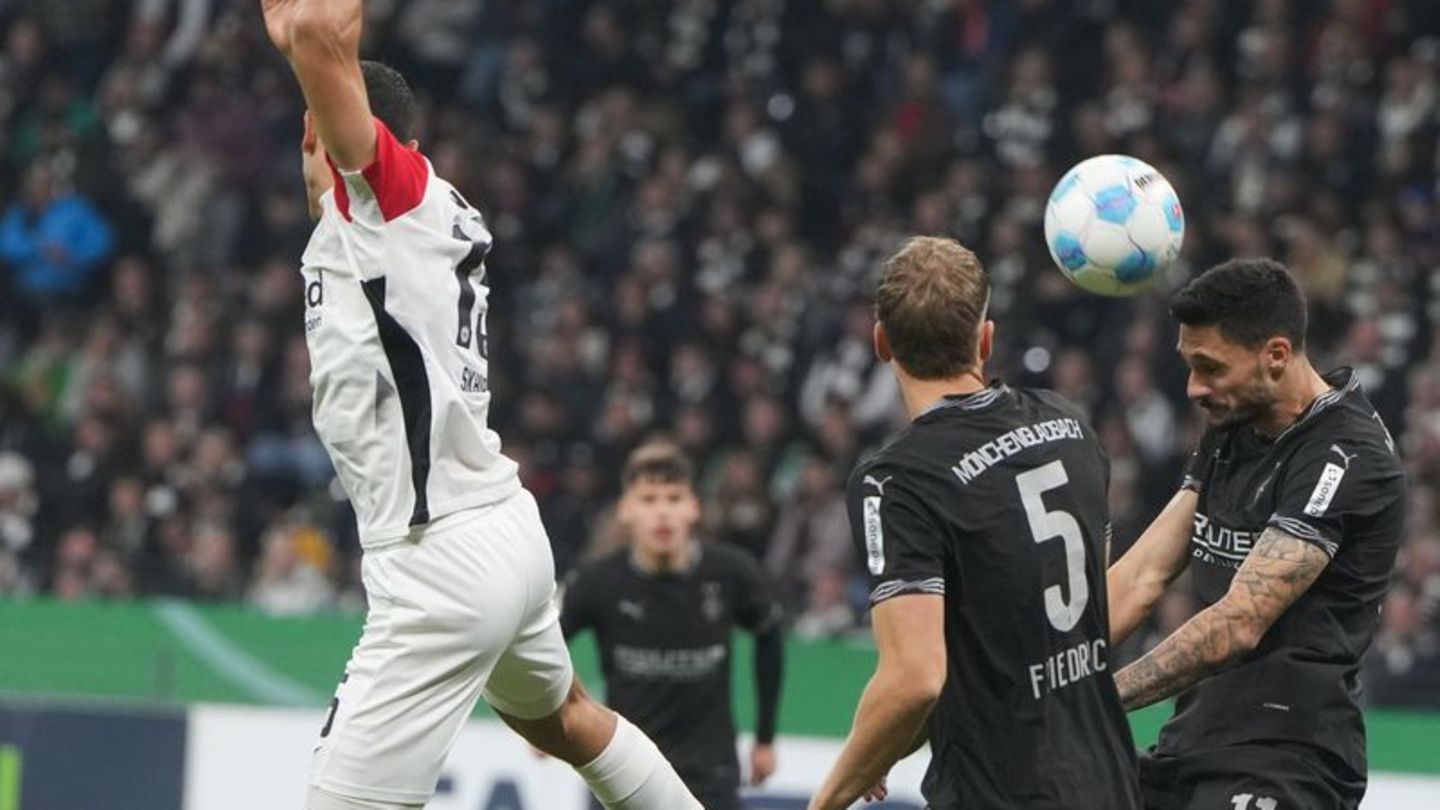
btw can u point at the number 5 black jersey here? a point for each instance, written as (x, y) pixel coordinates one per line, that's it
(997, 501)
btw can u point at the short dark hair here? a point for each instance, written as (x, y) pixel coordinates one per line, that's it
(931, 301)
(390, 98)
(660, 461)
(1251, 300)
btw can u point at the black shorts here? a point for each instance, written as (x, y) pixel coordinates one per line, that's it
(1252, 776)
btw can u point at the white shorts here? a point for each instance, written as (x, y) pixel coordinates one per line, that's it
(467, 609)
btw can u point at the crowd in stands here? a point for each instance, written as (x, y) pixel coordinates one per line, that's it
(691, 200)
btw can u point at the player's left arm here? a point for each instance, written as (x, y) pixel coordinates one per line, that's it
(910, 636)
(321, 40)
(1279, 569)
(760, 613)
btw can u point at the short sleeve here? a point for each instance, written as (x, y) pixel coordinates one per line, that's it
(390, 187)
(757, 608)
(898, 538)
(1325, 484)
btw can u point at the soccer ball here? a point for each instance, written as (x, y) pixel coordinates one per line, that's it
(1113, 224)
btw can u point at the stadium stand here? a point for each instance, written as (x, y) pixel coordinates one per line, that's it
(689, 200)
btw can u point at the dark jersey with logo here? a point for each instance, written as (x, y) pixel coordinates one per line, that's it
(1332, 479)
(665, 651)
(996, 500)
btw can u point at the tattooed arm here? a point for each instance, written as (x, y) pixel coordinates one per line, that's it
(1278, 571)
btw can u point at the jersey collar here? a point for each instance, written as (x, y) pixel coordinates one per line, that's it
(1344, 380)
(975, 401)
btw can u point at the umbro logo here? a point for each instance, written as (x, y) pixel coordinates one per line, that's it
(879, 484)
(1346, 457)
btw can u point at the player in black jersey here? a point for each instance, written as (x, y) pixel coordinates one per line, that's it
(1290, 519)
(663, 612)
(984, 526)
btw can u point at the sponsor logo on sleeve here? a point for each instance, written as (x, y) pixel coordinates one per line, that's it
(1324, 491)
(874, 536)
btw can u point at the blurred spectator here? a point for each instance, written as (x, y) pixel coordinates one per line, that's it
(18, 504)
(811, 537)
(292, 575)
(54, 240)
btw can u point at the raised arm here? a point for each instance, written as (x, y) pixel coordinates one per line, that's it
(1137, 580)
(321, 40)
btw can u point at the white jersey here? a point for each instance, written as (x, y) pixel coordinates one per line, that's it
(395, 299)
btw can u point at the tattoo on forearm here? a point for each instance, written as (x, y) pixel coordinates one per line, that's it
(1277, 572)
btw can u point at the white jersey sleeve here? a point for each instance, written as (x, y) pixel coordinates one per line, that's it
(396, 296)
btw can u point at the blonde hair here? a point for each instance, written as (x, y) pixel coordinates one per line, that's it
(931, 302)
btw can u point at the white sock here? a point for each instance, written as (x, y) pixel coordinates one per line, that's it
(631, 774)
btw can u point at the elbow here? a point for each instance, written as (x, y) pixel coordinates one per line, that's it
(927, 680)
(1241, 629)
(916, 685)
(1246, 638)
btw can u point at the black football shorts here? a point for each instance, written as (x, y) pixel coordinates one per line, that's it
(1251, 776)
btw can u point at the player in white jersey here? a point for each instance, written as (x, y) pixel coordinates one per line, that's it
(457, 566)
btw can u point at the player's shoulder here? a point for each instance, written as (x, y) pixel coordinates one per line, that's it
(1344, 421)
(900, 455)
(1050, 401)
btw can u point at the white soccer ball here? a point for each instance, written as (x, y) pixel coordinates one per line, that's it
(1113, 224)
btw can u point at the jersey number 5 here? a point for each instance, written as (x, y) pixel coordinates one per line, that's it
(1048, 525)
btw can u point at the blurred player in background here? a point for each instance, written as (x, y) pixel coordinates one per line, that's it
(664, 611)
(1290, 518)
(457, 566)
(985, 529)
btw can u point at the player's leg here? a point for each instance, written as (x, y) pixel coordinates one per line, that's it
(534, 689)
(1269, 776)
(622, 766)
(441, 614)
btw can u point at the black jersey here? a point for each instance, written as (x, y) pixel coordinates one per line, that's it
(665, 651)
(997, 501)
(1332, 479)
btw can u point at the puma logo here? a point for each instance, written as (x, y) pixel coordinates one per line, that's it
(631, 608)
(1347, 457)
(879, 484)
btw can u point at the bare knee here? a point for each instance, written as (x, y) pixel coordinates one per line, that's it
(576, 732)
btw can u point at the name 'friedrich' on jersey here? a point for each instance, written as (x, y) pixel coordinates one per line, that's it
(996, 502)
(395, 303)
